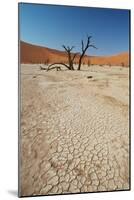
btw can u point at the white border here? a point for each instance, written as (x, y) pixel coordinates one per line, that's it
(9, 97)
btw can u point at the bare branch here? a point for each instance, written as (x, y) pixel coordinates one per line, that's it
(58, 64)
(43, 68)
(93, 46)
(72, 48)
(82, 45)
(74, 56)
(84, 49)
(68, 49)
(56, 67)
(65, 47)
(89, 38)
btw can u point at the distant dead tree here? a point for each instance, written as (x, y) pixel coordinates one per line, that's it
(109, 64)
(46, 61)
(88, 63)
(122, 64)
(84, 49)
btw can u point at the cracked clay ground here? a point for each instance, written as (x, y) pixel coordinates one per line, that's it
(74, 131)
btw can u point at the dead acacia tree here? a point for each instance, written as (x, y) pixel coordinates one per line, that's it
(71, 57)
(84, 49)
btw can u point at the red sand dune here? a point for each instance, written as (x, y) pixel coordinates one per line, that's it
(35, 54)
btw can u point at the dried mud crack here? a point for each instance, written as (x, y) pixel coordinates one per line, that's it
(74, 135)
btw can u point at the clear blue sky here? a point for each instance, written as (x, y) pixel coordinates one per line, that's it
(52, 26)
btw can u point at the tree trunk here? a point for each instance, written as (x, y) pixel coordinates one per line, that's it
(70, 58)
(84, 49)
(79, 65)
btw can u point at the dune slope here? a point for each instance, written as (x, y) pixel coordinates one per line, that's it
(35, 54)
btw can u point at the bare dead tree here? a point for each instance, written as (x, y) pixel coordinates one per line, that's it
(71, 58)
(84, 49)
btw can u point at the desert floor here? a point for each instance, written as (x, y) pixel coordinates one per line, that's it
(74, 130)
